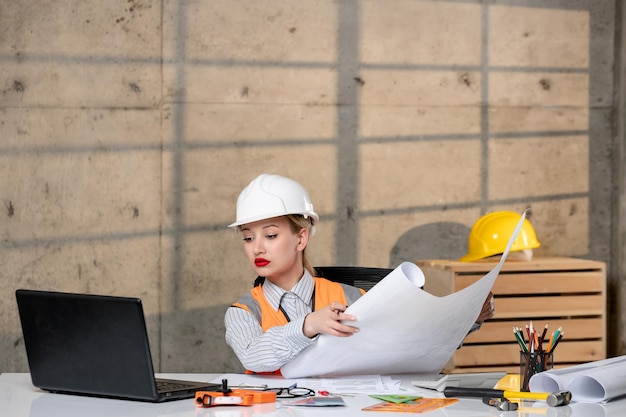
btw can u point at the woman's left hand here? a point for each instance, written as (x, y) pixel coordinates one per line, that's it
(488, 310)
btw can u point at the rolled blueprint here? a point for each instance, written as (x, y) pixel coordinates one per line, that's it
(403, 329)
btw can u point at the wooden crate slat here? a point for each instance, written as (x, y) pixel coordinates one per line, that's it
(567, 305)
(481, 355)
(537, 264)
(541, 283)
(502, 331)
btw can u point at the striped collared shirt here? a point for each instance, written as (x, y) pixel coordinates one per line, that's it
(267, 351)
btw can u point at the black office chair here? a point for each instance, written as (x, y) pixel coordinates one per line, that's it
(357, 276)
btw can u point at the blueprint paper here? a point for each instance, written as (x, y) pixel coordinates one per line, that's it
(403, 329)
(596, 381)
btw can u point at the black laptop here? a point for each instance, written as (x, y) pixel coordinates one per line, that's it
(94, 345)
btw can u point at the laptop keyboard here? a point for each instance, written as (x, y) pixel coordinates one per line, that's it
(163, 386)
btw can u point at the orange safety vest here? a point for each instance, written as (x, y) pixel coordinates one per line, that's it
(325, 292)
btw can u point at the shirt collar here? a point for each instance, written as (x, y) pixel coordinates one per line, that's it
(303, 290)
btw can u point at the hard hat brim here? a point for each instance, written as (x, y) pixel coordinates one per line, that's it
(253, 219)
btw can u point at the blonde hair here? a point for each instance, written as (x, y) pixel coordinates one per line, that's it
(297, 223)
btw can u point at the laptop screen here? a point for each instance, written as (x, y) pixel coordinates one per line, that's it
(91, 344)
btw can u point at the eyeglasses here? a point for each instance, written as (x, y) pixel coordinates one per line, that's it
(288, 392)
(292, 392)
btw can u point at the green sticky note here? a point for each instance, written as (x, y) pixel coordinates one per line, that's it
(397, 399)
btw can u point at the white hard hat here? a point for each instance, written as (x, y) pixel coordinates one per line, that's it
(270, 196)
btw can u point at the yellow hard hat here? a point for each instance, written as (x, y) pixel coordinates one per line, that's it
(492, 232)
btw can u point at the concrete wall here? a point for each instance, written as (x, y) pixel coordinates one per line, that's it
(128, 128)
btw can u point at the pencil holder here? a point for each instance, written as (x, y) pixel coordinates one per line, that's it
(531, 363)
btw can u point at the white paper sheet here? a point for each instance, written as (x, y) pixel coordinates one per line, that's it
(596, 381)
(403, 329)
(354, 385)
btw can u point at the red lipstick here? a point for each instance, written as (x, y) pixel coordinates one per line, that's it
(261, 262)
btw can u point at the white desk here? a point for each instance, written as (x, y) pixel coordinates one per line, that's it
(18, 398)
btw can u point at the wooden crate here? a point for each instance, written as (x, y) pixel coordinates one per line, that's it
(565, 292)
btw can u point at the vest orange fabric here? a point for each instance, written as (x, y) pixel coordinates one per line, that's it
(325, 293)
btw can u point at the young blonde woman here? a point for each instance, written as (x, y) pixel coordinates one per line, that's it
(285, 312)
(289, 307)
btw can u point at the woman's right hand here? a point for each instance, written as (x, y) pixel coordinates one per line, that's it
(328, 320)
